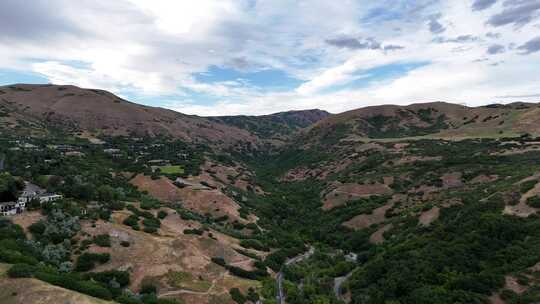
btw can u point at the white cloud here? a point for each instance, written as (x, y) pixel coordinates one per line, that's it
(154, 48)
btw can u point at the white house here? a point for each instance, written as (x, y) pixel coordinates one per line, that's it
(11, 208)
(29, 193)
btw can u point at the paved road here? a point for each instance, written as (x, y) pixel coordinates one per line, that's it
(280, 295)
(338, 282)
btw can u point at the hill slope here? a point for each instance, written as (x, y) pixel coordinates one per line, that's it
(75, 109)
(438, 119)
(274, 126)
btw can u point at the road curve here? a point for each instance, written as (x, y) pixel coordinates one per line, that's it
(280, 295)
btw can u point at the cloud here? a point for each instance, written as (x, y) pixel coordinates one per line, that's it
(155, 51)
(516, 12)
(531, 46)
(435, 26)
(354, 43)
(520, 96)
(458, 39)
(479, 5)
(496, 49)
(392, 47)
(493, 35)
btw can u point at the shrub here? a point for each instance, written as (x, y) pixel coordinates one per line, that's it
(220, 261)
(73, 283)
(194, 231)
(103, 240)
(122, 277)
(131, 220)
(125, 244)
(162, 214)
(148, 288)
(21, 271)
(255, 244)
(237, 296)
(150, 229)
(534, 201)
(87, 261)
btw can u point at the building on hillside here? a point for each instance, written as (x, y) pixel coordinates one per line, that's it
(111, 151)
(30, 192)
(49, 197)
(351, 257)
(74, 153)
(11, 208)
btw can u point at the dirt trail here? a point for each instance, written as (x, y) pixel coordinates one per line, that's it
(522, 209)
(202, 293)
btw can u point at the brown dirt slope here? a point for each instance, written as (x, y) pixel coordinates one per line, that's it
(24, 291)
(201, 200)
(100, 111)
(458, 121)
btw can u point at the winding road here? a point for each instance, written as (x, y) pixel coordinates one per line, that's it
(280, 295)
(338, 282)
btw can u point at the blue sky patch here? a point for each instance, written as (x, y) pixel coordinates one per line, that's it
(264, 79)
(12, 77)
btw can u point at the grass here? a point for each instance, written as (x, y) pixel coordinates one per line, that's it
(185, 280)
(171, 169)
(3, 269)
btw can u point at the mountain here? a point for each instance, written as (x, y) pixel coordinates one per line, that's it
(97, 111)
(436, 120)
(274, 126)
(426, 203)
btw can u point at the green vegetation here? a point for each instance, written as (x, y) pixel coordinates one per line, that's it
(171, 169)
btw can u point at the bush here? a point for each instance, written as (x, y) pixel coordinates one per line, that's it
(220, 261)
(131, 220)
(73, 283)
(150, 229)
(255, 244)
(105, 277)
(103, 240)
(87, 261)
(21, 271)
(534, 201)
(148, 203)
(237, 296)
(162, 214)
(194, 231)
(125, 244)
(148, 288)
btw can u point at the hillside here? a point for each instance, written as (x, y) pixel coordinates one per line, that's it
(24, 290)
(96, 111)
(435, 120)
(428, 203)
(275, 126)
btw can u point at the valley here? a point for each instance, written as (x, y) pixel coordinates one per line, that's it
(428, 203)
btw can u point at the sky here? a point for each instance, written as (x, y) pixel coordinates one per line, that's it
(231, 57)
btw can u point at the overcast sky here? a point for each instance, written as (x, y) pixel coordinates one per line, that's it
(227, 57)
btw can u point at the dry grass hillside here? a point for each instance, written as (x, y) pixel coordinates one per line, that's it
(24, 291)
(435, 120)
(99, 111)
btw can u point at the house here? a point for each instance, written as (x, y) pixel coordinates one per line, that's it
(351, 257)
(11, 208)
(111, 151)
(74, 153)
(30, 192)
(49, 197)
